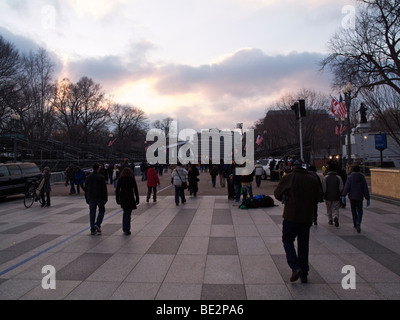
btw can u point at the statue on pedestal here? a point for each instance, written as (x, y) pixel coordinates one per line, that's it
(363, 113)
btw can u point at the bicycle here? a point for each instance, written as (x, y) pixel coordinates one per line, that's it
(32, 193)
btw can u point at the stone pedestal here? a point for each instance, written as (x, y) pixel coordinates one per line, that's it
(363, 128)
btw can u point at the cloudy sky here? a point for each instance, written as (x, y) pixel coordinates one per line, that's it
(207, 63)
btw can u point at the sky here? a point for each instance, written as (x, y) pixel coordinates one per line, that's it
(205, 63)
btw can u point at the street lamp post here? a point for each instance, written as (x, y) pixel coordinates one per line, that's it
(347, 89)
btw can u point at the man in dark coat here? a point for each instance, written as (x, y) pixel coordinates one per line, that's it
(300, 192)
(96, 196)
(357, 188)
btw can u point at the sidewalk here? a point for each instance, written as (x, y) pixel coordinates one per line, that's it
(207, 249)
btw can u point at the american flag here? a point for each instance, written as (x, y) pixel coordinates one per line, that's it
(340, 130)
(259, 140)
(338, 108)
(112, 142)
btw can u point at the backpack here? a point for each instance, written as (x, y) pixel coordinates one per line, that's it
(265, 201)
(249, 203)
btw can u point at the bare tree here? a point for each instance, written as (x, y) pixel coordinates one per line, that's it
(10, 68)
(128, 122)
(368, 56)
(82, 109)
(35, 102)
(280, 127)
(384, 105)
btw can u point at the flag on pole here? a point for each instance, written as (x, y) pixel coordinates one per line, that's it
(342, 110)
(338, 108)
(112, 142)
(341, 130)
(259, 140)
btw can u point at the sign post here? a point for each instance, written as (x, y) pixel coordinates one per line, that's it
(381, 144)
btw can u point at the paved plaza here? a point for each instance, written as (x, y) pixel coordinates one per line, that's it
(206, 249)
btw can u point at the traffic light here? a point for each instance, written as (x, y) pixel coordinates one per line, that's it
(295, 107)
(302, 108)
(299, 108)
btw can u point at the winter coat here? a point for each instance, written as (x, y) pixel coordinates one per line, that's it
(126, 193)
(79, 177)
(96, 188)
(179, 176)
(192, 178)
(46, 184)
(332, 186)
(356, 187)
(152, 178)
(302, 193)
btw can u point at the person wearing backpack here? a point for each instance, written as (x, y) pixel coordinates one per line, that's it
(332, 186)
(178, 179)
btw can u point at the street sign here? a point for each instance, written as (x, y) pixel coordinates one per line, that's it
(380, 142)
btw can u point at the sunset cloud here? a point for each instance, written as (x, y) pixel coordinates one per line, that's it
(213, 62)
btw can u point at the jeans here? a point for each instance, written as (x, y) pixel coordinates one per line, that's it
(179, 193)
(152, 190)
(247, 188)
(258, 181)
(237, 187)
(93, 204)
(356, 211)
(47, 200)
(332, 209)
(290, 231)
(126, 221)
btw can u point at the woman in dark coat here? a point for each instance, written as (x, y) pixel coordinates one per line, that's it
(127, 195)
(193, 180)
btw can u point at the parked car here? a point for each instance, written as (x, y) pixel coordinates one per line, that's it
(14, 176)
(265, 164)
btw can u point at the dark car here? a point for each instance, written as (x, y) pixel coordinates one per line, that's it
(14, 176)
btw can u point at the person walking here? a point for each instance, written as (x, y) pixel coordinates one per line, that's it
(152, 182)
(46, 189)
(229, 173)
(127, 196)
(193, 179)
(332, 187)
(96, 197)
(71, 178)
(313, 171)
(221, 173)
(213, 173)
(79, 179)
(247, 184)
(258, 172)
(300, 193)
(179, 179)
(356, 188)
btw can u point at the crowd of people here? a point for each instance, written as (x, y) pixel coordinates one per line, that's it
(300, 189)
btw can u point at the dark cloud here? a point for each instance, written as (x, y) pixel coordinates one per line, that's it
(247, 73)
(24, 45)
(114, 70)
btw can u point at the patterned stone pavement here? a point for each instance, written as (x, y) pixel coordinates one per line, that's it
(206, 249)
